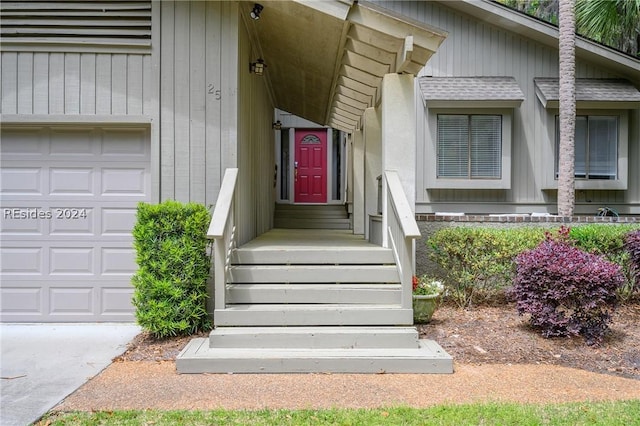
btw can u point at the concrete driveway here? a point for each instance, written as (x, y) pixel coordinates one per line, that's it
(43, 363)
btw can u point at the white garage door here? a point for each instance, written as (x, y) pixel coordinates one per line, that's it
(69, 198)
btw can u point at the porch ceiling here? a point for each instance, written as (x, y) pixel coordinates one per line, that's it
(326, 59)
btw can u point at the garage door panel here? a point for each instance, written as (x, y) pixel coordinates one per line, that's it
(21, 260)
(24, 142)
(118, 261)
(124, 182)
(118, 221)
(73, 143)
(75, 221)
(116, 302)
(117, 144)
(71, 181)
(22, 181)
(71, 261)
(71, 301)
(23, 227)
(68, 207)
(21, 301)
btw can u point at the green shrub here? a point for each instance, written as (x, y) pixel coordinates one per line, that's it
(479, 262)
(608, 240)
(170, 286)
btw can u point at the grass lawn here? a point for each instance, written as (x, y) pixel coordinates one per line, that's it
(624, 413)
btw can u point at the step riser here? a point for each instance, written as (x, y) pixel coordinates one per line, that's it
(313, 293)
(325, 209)
(198, 357)
(314, 274)
(295, 315)
(313, 256)
(314, 337)
(311, 224)
(311, 217)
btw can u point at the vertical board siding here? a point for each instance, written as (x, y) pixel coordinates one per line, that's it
(56, 83)
(475, 48)
(197, 90)
(75, 83)
(255, 149)
(213, 128)
(72, 84)
(103, 84)
(167, 107)
(119, 84)
(25, 78)
(197, 94)
(88, 84)
(198, 112)
(41, 83)
(181, 105)
(9, 74)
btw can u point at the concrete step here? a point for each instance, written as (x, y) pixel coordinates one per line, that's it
(289, 255)
(314, 274)
(427, 357)
(313, 337)
(312, 315)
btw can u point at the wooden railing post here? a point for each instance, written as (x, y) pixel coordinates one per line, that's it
(402, 230)
(222, 230)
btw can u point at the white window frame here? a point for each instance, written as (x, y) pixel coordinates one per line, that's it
(431, 151)
(621, 183)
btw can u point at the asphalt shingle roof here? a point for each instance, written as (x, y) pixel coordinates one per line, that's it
(470, 89)
(590, 89)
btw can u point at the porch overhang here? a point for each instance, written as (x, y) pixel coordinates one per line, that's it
(326, 59)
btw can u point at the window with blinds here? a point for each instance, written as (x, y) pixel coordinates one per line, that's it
(469, 146)
(596, 147)
(117, 23)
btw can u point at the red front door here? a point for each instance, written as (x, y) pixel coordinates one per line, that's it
(310, 167)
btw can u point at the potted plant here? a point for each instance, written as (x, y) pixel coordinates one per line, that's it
(426, 295)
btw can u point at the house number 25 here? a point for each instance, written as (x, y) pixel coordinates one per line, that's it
(211, 90)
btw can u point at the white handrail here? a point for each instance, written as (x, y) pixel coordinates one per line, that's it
(402, 230)
(223, 204)
(222, 230)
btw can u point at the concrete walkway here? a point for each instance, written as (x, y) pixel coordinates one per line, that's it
(43, 363)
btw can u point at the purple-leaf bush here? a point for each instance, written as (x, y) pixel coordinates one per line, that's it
(632, 245)
(565, 290)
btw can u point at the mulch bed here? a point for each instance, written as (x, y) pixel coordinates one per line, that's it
(486, 335)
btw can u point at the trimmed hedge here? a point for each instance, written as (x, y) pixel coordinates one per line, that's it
(170, 286)
(478, 263)
(609, 241)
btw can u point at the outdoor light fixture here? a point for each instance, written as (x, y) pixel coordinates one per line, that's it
(277, 125)
(257, 67)
(255, 12)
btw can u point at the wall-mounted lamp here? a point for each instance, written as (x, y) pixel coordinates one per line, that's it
(255, 12)
(277, 125)
(257, 67)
